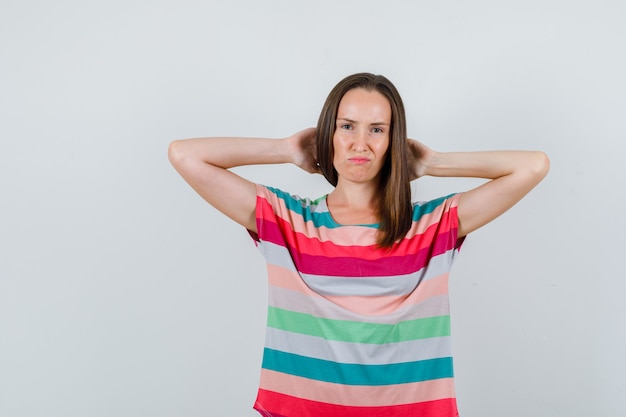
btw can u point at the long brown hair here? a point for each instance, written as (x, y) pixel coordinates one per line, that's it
(394, 204)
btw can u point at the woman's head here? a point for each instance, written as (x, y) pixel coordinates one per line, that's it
(394, 205)
(327, 123)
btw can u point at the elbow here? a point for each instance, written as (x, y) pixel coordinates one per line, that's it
(535, 166)
(541, 164)
(175, 153)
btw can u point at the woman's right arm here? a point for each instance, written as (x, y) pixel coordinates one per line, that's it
(204, 163)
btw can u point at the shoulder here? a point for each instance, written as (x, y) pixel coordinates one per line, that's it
(286, 204)
(437, 221)
(273, 194)
(438, 205)
(291, 212)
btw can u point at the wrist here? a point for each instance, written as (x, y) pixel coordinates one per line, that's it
(430, 163)
(288, 149)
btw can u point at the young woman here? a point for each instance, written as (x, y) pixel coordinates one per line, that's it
(358, 318)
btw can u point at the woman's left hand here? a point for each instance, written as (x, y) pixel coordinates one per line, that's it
(419, 158)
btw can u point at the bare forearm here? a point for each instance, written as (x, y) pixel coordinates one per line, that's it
(488, 164)
(204, 163)
(512, 175)
(228, 152)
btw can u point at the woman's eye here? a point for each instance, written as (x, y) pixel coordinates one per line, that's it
(346, 126)
(377, 130)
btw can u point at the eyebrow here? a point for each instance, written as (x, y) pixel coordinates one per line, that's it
(345, 119)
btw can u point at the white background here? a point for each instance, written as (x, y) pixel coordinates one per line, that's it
(123, 294)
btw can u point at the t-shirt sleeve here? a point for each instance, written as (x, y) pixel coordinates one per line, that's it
(437, 221)
(270, 209)
(452, 203)
(454, 219)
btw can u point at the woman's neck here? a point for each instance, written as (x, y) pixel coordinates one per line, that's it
(354, 204)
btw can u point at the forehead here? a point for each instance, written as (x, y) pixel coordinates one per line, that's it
(360, 103)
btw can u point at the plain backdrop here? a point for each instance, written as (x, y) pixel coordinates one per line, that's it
(122, 293)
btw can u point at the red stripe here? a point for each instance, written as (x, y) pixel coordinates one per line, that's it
(271, 403)
(311, 245)
(315, 257)
(389, 265)
(355, 267)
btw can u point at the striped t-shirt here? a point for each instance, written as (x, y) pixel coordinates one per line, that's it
(354, 330)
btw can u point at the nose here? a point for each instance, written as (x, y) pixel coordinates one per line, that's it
(360, 141)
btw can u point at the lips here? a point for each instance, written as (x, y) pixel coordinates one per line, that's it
(358, 160)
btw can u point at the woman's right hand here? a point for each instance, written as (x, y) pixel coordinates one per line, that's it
(304, 150)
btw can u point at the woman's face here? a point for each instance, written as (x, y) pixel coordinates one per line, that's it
(361, 137)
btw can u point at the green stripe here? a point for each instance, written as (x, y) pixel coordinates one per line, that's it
(356, 374)
(358, 332)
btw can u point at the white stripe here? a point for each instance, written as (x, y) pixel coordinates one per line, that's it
(321, 307)
(359, 353)
(358, 286)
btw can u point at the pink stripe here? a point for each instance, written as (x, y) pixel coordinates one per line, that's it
(284, 278)
(272, 228)
(355, 395)
(332, 234)
(381, 305)
(268, 203)
(447, 210)
(368, 305)
(338, 260)
(355, 267)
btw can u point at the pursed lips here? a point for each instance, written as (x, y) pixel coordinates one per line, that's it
(358, 160)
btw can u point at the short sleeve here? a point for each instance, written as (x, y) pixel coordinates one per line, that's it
(273, 214)
(452, 203)
(436, 222)
(263, 209)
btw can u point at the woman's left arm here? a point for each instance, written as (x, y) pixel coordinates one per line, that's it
(512, 173)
